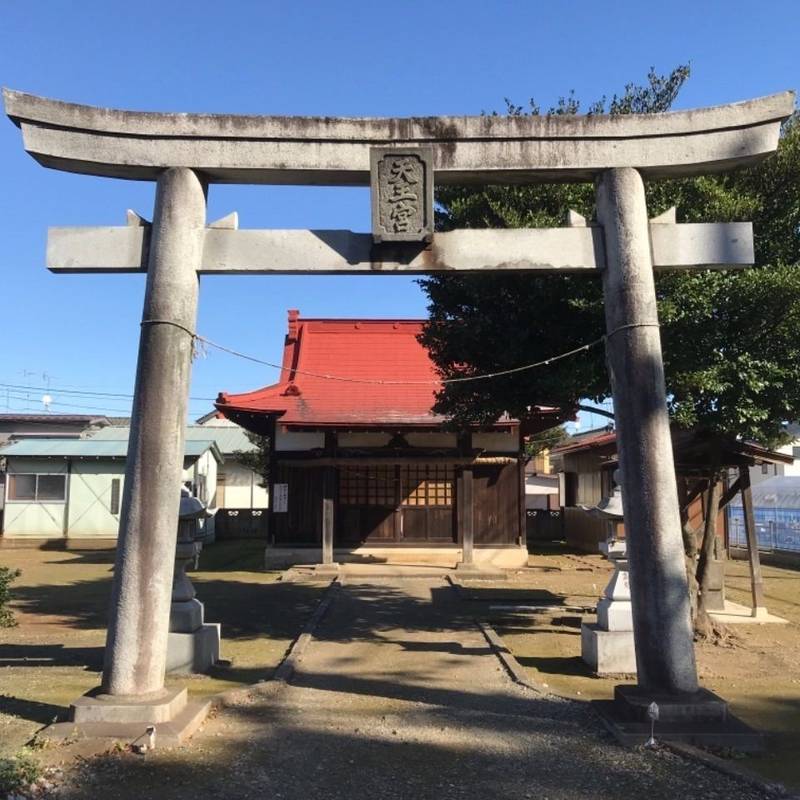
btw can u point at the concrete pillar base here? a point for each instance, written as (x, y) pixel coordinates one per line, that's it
(196, 651)
(608, 652)
(698, 718)
(97, 707)
(126, 719)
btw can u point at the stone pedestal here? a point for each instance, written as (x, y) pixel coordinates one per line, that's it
(193, 645)
(699, 718)
(715, 596)
(165, 717)
(607, 645)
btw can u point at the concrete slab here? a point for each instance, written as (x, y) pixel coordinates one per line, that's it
(737, 614)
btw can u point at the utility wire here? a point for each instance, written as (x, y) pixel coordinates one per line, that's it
(84, 393)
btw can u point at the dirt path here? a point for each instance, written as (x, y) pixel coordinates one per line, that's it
(398, 696)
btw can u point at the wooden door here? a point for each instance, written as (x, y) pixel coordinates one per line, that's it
(426, 503)
(368, 497)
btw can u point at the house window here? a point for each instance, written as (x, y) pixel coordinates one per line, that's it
(37, 488)
(367, 486)
(427, 485)
(115, 487)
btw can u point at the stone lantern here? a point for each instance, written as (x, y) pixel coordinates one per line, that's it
(607, 645)
(193, 643)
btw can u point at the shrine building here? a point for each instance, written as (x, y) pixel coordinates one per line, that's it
(400, 484)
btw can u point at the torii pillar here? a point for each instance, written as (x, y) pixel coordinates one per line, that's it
(659, 590)
(138, 625)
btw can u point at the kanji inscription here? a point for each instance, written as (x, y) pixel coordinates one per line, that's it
(402, 194)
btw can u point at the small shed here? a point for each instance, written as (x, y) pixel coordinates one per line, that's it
(70, 490)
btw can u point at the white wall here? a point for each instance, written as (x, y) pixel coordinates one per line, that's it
(363, 439)
(240, 488)
(36, 520)
(89, 507)
(298, 440)
(432, 439)
(497, 441)
(86, 513)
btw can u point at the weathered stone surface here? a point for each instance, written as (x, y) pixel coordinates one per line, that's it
(659, 591)
(105, 708)
(136, 646)
(402, 194)
(577, 249)
(330, 151)
(195, 651)
(607, 652)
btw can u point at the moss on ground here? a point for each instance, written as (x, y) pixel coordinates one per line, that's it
(759, 675)
(60, 601)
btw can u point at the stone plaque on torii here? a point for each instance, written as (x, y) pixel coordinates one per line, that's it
(185, 153)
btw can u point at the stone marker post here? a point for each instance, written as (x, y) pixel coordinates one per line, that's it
(328, 490)
(467, 520)
(136, 646)
(659, 592)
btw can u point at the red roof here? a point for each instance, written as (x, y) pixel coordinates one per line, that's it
(363, 350)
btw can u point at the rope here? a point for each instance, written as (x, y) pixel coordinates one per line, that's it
(632, 325)
(197, 338)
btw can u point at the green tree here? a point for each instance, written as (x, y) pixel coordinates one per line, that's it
(256, 460)
(731, 342)
(731, 339)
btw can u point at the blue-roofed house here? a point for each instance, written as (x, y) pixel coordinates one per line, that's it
(69, 491)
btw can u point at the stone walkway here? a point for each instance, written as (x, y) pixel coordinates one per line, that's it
(398, 696)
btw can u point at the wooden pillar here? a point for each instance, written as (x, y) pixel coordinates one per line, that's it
(756, 581)
(659, 588)
(467, 520)
(138, 627)
(328, 487)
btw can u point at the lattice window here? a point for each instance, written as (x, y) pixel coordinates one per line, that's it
(427, 485)
(368, 486)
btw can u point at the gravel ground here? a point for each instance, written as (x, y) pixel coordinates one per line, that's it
(399, 696)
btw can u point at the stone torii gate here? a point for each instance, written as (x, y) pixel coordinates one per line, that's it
(184, 153)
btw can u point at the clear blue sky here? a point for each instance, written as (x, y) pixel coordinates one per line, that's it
(343, 58)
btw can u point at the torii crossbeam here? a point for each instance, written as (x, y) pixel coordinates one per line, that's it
(184, 153)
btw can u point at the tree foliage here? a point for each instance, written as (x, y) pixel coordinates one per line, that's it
(7, 576)
(731, 339)
(256, 460)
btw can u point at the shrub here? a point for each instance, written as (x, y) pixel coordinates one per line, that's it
(18, 772)
(7, 576)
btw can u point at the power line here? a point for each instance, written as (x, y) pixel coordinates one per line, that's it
(86, 393)
(96, 408)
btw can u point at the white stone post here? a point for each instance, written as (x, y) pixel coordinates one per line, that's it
(659, 593)
(136, 645)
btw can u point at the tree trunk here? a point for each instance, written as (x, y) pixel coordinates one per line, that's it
(709, 540)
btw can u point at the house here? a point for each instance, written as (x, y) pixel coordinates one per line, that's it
(354, 431)
(588, 461)
(61, 426)
(68, 492)
(239, 501)
(37, 426)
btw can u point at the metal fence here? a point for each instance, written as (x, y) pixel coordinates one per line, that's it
(777, 529)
